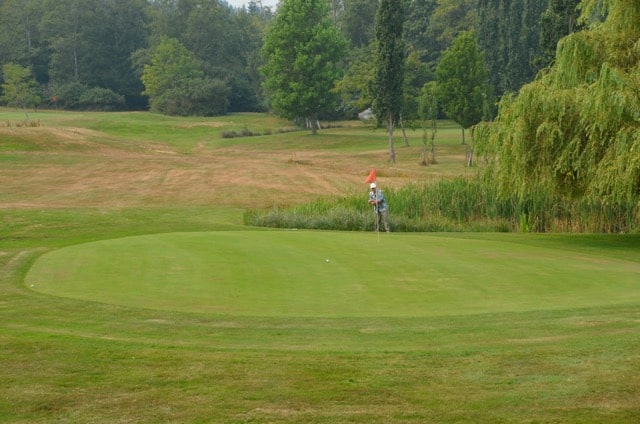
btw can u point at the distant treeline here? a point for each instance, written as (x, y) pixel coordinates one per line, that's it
(90, 54)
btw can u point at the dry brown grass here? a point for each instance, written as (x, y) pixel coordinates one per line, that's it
(77, 167)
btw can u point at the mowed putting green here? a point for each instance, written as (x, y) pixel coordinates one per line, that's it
(332, 274)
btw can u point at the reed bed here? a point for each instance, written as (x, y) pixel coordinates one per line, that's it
(460, 204)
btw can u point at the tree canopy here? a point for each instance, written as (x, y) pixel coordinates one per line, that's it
(575, 132)
(20, 87)
(388, 82)
(75, 47)
(462, 81)
(303, 51)
(176, 84)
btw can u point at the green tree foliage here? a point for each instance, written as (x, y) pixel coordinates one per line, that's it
(224, 40)
(100, 99)
(449, 19)
(557, 21)
(20, 39)
(68, 95)
(20, 87)
(356, 21)
(428, 109)
(216, 40)
(91, 42)
(120, 29)
(354, 87)
(418, 31)
(417, 74)
(245, 93)
(388, 83)
(508, 33)
(87, 44)
(336, 8)
(575, 131)
(197, 96)
(176, 84)
(171, 66)
(303, 53)
(462, 82)
(78, 96)
(63, 25)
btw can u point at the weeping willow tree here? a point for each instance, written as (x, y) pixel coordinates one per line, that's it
(574, 133)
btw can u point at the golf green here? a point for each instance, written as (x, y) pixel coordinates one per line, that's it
(332, 274)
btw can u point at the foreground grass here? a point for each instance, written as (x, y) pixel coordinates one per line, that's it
(69, 360)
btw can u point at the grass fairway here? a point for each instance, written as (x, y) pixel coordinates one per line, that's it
(152, 303)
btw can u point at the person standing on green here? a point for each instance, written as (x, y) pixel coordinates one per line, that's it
(380, 207)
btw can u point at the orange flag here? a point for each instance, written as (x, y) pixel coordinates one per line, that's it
(372, 177)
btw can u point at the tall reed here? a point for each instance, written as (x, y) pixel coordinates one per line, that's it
(460, 204)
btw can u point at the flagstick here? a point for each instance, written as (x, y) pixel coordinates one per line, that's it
(377, 218)
(376, 221)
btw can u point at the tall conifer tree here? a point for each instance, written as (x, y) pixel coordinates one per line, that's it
(388, 81)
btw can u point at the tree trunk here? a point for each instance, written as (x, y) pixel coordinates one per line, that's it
(76, 72)
(469, 156)
(313, 123)
(392, 152)
(424, 150)
(463, 139)
(469, 152)
(433, 149)
(404, 133)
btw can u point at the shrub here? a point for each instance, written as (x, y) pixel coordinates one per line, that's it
(69, 95)
(197, 97)
(229, 134)
(101, 99)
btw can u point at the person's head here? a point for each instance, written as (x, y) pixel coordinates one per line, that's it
(373, 186)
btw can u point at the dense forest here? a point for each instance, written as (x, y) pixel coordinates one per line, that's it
(204, 57)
